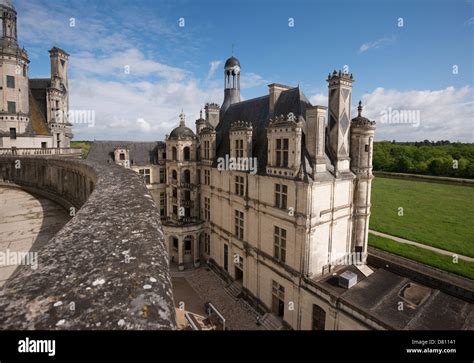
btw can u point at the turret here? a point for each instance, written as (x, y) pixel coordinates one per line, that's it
(362, 141)
(8, 23)
(231, 84)
(58, 98)
(14, 103)
(59, 65)
(200, 123)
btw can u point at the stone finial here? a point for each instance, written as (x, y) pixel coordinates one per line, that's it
(241, 125)
(359, 109)
(182, 118)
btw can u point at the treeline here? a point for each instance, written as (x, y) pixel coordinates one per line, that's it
(440, 158)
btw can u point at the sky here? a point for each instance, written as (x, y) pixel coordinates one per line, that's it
(134, 65)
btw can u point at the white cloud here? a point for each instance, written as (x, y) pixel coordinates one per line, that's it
(143, 125)
(214, 65)
(319, 99)
(250, 80)
(55, 28)
(130, 62)
(445, 114)
(137, 110)
(379, 43)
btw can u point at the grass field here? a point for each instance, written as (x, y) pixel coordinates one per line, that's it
(84, 145)
(462, 268)
(439, 215)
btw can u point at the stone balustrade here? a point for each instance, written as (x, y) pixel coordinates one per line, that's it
(39, 151)
(107, 268)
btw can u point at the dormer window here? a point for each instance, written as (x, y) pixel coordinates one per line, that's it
(281, 150)
(122, 156)
(284, 135)
(241, 139)
(207, 150)
(239, 148)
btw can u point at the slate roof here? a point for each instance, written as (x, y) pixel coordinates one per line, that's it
(256, 111)
(37, 119)
(232, 61)
(182, 132)
(38, 88)
(141, 153)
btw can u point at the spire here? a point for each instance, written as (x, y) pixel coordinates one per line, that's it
(182, 118)
(7, 3)
(200, 113)
(359, 109)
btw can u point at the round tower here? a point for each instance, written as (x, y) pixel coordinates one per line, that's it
(14, 101)
(183, 227)
(362, 142)
(200, 123)
(231, 84)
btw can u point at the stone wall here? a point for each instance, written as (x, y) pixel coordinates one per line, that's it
(107, 268)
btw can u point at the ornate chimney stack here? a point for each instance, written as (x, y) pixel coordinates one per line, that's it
(340, 94)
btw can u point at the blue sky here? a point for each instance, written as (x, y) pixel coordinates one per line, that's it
(407, 68)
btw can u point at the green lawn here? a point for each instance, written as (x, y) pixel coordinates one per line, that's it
(439, 215)
(462, 268)
(84, 145)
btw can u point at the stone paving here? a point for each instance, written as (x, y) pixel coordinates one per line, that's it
(25, 220)
(211, 288)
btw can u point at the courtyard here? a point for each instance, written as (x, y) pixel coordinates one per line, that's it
(193, 288)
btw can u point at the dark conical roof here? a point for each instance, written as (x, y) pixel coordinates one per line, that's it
(232, 61)
(361, 121)
(182, 132)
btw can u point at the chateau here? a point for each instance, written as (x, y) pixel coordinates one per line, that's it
(33, 112)
(270, 197)
(299, 213)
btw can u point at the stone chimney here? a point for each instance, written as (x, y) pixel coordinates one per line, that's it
(315, 136)
(275, 90)
(212, 111)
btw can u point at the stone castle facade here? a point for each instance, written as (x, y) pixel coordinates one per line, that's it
(33, 111)
(295, 211)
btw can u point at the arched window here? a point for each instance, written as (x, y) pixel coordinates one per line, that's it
(187, 176)
(175, 153)
(187, 153)
(187, 195)
(175, 175)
